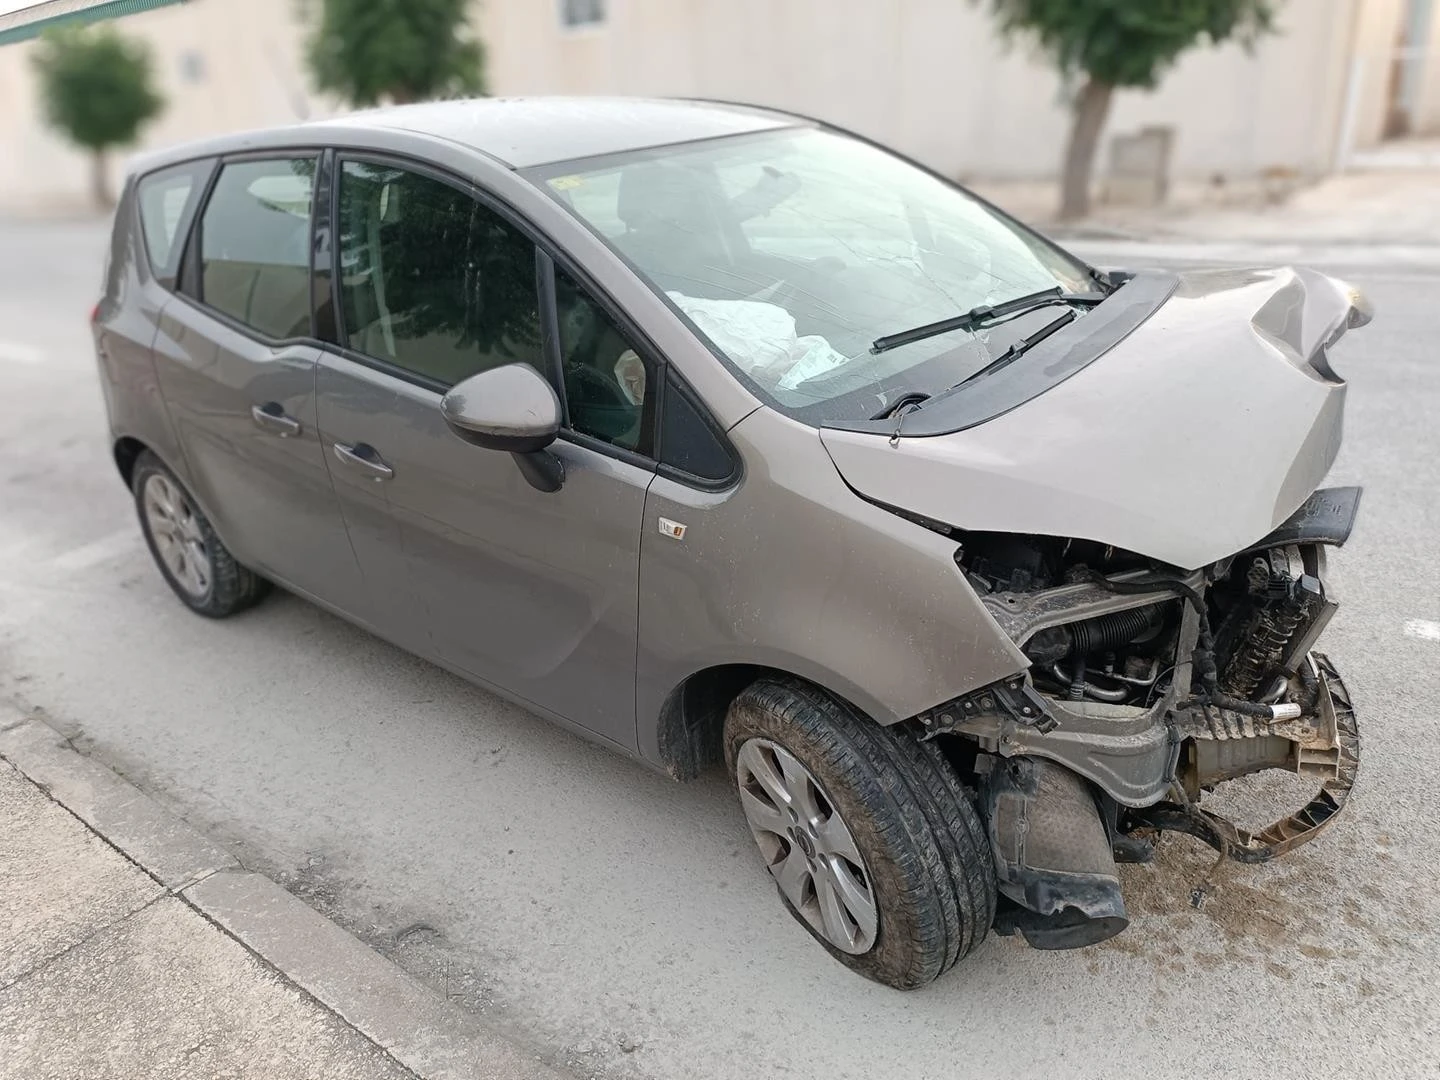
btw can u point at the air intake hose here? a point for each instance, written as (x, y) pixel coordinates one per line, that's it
(1103, 633)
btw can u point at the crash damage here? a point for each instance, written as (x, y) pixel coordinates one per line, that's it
(1136, 509)
(1154, 687)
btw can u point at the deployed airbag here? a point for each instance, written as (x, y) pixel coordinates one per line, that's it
(761, 338)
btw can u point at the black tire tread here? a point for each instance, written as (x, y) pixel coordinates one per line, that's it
(233, 587)
(942, 896)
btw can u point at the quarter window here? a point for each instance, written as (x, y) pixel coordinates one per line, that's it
(609, 389)
(167, 203)
(432, 281)
(688, 442)
(255, 245)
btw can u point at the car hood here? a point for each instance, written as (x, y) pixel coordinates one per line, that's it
(1190, 438)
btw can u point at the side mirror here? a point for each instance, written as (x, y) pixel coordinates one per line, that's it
(511, 408)
(506, 408)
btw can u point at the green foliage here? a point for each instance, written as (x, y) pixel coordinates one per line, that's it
(404, 50)
(1129, 42)
(95, 85)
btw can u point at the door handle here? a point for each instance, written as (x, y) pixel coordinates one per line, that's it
(271, 417)
(364, 457)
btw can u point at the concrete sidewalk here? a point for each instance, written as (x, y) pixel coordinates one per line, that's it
(132, 947)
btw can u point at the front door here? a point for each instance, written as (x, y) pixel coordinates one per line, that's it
(237, 364)
(532, 592)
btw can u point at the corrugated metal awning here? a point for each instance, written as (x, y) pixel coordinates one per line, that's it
(32, 20)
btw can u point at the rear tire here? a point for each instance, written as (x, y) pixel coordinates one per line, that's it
(925, 858)
(195, 564)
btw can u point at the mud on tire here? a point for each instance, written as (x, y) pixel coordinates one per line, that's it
(925, 849)
(229, 587)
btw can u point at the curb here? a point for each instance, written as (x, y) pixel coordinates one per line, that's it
(425, 1033)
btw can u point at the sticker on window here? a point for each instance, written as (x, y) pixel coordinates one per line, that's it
(566, 183)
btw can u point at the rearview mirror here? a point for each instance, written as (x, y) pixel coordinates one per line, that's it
(510, 408)
(505, 408)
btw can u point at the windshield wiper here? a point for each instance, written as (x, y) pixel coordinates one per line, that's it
(1014, 352)
(986, 313)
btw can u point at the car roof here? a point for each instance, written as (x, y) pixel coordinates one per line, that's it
(527, 131)
(517, 132)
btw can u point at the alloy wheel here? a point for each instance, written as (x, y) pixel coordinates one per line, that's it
(807, 845)
(176, 530)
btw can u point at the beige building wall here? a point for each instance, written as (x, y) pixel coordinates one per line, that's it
(931, 77)
(928, 76)
(222, 65)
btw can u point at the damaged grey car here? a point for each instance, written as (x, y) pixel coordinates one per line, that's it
(724, 437)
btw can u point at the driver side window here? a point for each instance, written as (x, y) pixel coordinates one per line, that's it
(609, 387)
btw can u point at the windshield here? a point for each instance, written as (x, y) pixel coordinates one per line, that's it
(792, 251)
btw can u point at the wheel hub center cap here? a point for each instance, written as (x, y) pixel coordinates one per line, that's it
(803, 842)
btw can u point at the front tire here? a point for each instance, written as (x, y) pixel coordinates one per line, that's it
(875, 845)
(191, 558)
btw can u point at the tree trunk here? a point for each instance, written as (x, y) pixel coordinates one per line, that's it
(1091, 109)
(100, 180)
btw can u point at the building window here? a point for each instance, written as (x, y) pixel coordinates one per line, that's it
(192, 66)
(577, 13)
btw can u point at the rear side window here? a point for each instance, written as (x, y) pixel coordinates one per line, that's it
(167, 202)
(255, 245)
(431, 281)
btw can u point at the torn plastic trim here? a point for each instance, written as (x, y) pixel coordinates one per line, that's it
(1339, 761)
(1326, 517)
(1128, 752)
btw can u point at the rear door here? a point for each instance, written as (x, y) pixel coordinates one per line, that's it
(532, 592)
(236, 357)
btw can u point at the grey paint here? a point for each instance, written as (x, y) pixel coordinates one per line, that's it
(125, 332)
(531, 592)
(523, 132)
(577, 605)
(1189, 440)
(266, 493)
(513, 403)
(789, 569)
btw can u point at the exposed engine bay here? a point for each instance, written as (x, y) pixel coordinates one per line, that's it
(1154, 685)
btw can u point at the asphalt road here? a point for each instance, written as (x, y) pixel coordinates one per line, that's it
(623, 923)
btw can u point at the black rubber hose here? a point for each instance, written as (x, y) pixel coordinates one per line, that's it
(1108, 632)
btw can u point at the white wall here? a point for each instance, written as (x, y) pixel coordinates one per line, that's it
(928, 76)
(249, 56)
(931, 77)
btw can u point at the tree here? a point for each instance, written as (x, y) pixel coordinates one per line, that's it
(96, 88)
(403, 50)
(1119, 43)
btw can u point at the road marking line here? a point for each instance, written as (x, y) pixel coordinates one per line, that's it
(1424, 629)
(96, 552)
(19, 353)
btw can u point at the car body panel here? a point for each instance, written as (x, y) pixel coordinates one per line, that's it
(789, 570)
(538, 131)
(1187, 441)
(267, 494)
(467, 562)
(126, 324)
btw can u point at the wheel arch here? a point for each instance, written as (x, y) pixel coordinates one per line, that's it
(127, 451)
(687, 733)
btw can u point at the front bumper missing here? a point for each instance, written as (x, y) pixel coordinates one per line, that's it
(1327, 747)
